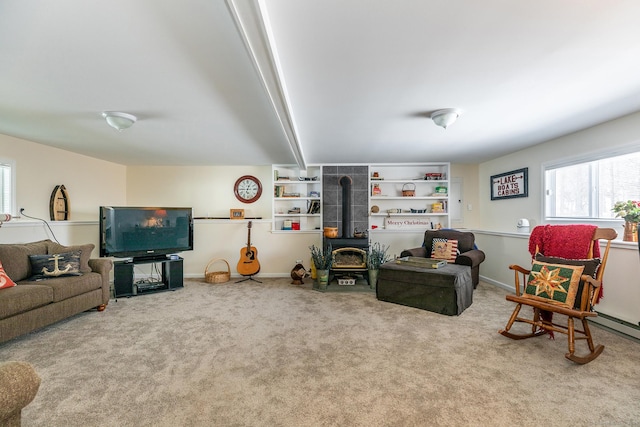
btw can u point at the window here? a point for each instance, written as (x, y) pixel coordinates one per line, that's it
(7, 186)
(588, 189)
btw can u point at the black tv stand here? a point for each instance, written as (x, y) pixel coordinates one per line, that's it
(124, 284)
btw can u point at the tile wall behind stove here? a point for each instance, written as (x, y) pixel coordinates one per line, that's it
(332, 198)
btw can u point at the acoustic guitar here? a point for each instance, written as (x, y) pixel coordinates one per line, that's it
(248, 264)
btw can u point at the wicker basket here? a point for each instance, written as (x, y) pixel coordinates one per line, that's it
(408, 192)
(217, 276)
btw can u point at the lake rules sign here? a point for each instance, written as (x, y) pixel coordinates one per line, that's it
(510, 184)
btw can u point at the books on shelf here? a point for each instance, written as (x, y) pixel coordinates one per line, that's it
(421, 262)
(313, 207)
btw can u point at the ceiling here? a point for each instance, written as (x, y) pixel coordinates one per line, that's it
(251, 82)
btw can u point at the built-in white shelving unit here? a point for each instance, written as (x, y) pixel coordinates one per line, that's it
(428, 207)
(297, 199)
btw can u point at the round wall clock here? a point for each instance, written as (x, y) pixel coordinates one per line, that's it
(247, 189)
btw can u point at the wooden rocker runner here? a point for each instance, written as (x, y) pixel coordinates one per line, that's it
(541, 284)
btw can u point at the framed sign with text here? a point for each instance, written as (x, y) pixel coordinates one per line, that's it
(509, 185)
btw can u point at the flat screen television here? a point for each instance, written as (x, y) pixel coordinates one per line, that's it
(145, 232)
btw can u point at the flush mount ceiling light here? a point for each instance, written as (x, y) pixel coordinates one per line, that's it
(119, 121)
(445, 117)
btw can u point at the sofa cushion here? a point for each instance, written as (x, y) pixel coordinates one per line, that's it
(5, 281)
(56, 265)
(70, 286)
(24, 297)
(15, 258)
(85, 253)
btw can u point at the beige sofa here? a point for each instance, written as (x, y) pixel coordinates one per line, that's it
(19, 384)
(34, 304)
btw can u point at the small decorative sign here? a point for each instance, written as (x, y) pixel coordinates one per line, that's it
(399, 223)
(509, 185)
(236, 214)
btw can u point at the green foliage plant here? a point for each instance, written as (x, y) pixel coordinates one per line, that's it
(377, 256)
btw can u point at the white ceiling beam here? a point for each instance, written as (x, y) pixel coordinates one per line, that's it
(252, 23)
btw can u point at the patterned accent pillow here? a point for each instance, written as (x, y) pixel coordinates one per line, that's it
(444, 249)
(85, 253)
(55, 265)
(591, 268)
(554, 283)
(5, 280)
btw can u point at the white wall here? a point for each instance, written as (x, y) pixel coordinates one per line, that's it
(470, 194)
(90, 183)
(209, 190)
(502, 215)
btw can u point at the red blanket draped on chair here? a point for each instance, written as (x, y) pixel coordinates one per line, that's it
(564, 241)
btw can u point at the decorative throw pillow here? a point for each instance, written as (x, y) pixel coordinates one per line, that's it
(5, 280)
(444, 249)
(591, 267)
(55, 265)
(555, 283)
(85, 253)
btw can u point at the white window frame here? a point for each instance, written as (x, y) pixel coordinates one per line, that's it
(615, 223)
(10, 187)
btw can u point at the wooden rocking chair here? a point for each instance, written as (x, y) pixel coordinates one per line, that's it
(586, 297)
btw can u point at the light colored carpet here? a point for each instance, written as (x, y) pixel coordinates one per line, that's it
(275, 354)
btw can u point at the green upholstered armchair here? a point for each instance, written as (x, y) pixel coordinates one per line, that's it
(469, 254)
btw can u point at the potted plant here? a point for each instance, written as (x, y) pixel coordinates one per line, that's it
(376, 257)
(630, 212)
(322, 259)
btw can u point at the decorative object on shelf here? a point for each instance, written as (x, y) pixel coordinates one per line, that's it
(298, 273)
(375, 209)
(59, 204)
(433, 176)
(376, 257)
(330, 233)
(630, 212)
(441, 190)
(236, 213)
(119, 120)
(445, 117)
(376, 191)
(217, 276)
(247, 189)
(511, 184)
(408, 190)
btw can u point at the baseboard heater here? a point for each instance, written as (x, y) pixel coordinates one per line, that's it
(619, 325)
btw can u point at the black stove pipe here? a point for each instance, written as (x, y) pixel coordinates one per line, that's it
(346, 182)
